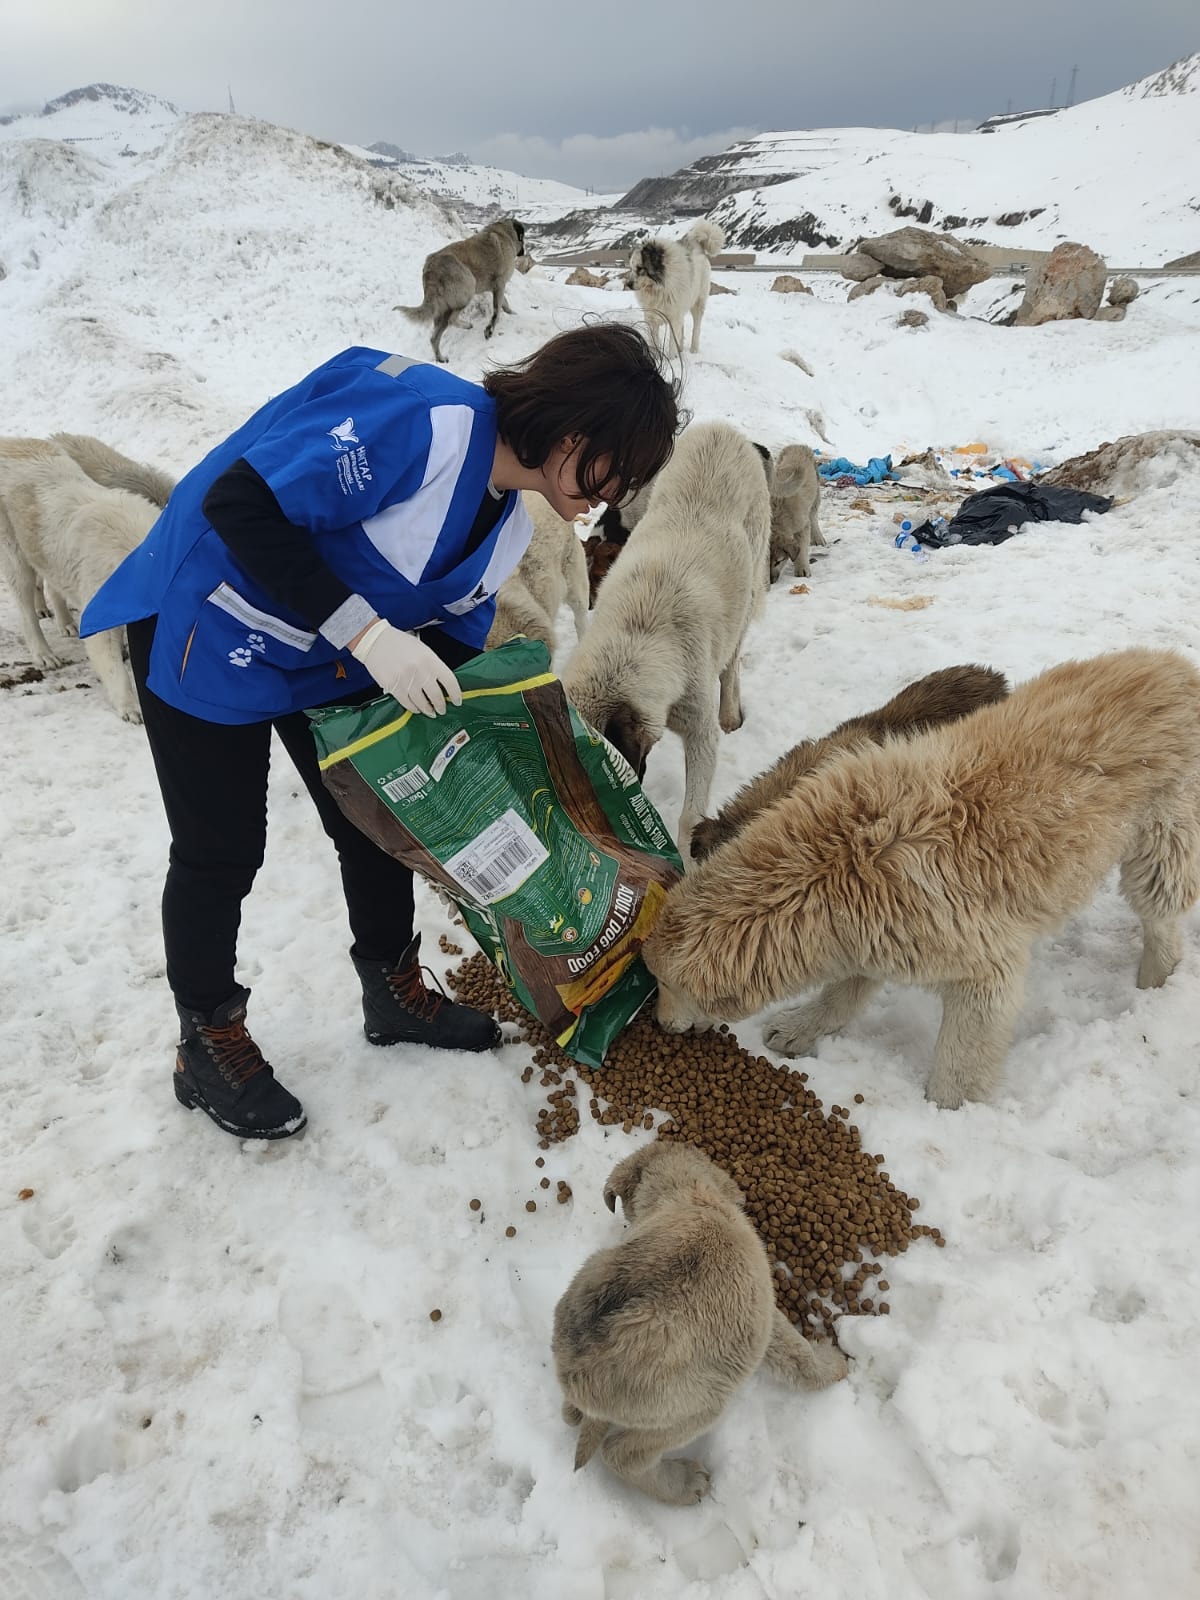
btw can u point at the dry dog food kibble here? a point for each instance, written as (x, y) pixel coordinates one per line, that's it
(826, 1208)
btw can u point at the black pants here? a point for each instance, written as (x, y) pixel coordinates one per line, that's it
(213, 779)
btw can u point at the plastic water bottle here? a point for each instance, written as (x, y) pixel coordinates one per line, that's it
(906, 539)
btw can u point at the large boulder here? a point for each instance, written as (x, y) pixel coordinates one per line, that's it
(867, 286)
(1123, 291)
(930, 286)
(859, 266)
(917, 253)
(786, 283)
(1067, 283)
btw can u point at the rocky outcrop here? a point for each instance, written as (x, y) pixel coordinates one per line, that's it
(1066, 284)
(915, 253)
(1116, 467)
(912, 319)
(1185, 261)
(785, 283)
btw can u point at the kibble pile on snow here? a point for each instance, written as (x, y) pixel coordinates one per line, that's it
(825, 1207)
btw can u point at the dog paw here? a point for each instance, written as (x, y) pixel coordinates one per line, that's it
(131, 714)
(571, 1414)
(827, 1365)
(683, 1483)
(731, 722)
(792, 1033)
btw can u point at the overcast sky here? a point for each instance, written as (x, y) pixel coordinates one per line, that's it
(596, 92)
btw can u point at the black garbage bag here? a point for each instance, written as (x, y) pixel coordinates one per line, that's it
(994, 515)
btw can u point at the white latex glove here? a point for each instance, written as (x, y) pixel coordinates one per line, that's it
(418, 678)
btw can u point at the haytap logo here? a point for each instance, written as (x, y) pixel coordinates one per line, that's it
(343, 435)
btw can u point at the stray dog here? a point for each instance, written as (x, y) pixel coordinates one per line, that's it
(56, 524)
(938, 861)
(938, 697)
(671, 277)
(654, 1335)
(795, 501)
(553, 569)
(482, 264)
(671, 615)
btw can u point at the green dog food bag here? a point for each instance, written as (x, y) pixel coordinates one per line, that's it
(531, 823)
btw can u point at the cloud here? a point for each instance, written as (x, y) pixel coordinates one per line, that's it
(608, 164)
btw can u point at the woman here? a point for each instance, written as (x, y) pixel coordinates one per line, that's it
(351, 537)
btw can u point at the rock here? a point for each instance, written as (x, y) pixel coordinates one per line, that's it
(1185, 261)
(912, 319)
(1123, 290)
(719, 288)
(916, 253)
(1068, 283)
(797, 360)
(525, 263)
(1115, 468)
(785, 283)
(867, 286)
(858, 267)
(586, 279)
(930, 286)
(1110, 314)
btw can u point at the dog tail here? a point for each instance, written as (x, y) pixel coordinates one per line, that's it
(421, 313)
(709, 237)
(592, 1434)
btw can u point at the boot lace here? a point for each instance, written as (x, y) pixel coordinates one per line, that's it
(235, 1053)
(410, 990)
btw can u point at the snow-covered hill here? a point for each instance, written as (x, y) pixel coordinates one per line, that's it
(1119, 172)
(476, 187)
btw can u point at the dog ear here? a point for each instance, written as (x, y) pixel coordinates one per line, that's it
(624, 1179)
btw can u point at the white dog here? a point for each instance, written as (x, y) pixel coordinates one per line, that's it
(671, 277)
(552, 570)
(59, 526)
(671, 615)
(652, 1337)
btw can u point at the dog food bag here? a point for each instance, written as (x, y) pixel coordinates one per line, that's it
(530, 822)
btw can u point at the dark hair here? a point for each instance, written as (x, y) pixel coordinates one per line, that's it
(602, 382)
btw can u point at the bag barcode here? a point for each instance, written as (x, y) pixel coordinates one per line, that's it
(485, 877)
(499, 860)
(406, 784)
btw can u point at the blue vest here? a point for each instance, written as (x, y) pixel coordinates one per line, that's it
(385, 461)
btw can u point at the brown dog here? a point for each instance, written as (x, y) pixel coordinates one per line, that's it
(938, 697)
(940, 860)
(653, 1336)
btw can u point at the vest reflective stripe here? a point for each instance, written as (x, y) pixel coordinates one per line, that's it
(395, 365)
(405, 533)
(227, 599)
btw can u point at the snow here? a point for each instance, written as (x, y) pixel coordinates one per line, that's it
(222, 1375)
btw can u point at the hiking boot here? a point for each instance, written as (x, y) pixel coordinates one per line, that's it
(399, 1009)
(221, 1070)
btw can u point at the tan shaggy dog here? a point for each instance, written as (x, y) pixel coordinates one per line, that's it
(795, 508)
(938, 697)
(653, 1336)
(938, 861)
